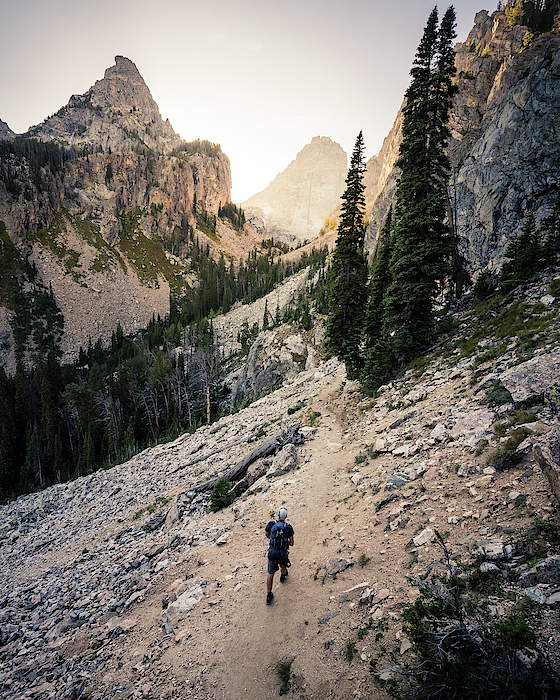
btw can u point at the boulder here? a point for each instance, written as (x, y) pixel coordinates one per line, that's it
(547, 452)
(337, 565)
(354, 592)
(533, 377)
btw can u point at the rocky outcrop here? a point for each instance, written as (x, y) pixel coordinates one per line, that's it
(5, 131)
(504, 154)
(276, 356)
(294, 206)
(547, 453)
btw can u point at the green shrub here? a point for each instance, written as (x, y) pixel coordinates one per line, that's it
(460, 654)
(497, 394)
(507, 455)
(223, 494)
(350, 649)
(364, 559)
(485, 286)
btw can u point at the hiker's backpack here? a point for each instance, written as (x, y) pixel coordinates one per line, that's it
(279, 543)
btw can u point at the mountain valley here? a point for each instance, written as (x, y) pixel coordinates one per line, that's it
(155, 338)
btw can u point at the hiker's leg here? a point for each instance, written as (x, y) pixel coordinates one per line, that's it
(283, 570)
(272, 569)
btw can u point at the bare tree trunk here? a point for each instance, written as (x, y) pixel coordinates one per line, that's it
(268, 447)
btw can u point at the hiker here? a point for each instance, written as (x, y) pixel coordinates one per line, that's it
(281, 536)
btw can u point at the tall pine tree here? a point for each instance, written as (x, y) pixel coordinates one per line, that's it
(347, 287)
(422, 238)
(378, 363)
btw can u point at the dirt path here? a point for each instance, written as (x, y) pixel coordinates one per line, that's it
(231, 642)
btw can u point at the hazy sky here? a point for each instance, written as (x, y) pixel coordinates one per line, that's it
(259, 77)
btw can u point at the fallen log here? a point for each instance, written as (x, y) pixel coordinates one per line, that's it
(270, 446)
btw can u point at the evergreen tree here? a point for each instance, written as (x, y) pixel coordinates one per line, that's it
(524, 256)
(550, 230)
(378, 363)
(348, 274)
(422, 239)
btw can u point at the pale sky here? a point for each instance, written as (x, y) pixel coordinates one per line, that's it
(259, 77)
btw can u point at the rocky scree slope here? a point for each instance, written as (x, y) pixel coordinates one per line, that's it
(294, 206)
(92, 225)
(122, 585)
(503, 149)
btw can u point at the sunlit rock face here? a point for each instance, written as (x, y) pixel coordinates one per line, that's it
(506, 159)
(294, 206)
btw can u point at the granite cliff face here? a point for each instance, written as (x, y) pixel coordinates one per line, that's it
(504, 150)
(92, 215)
(294, 206)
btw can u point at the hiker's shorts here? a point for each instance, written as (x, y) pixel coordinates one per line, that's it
(273, 567)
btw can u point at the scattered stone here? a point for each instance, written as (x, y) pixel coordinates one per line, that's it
(546, 571)
(491, 548)
(334, 447)
(440, 433)
(380, 596)
(366, 597)
(387, 499)
(380, 445)
(396, 481)
(536, 594)
(487, 566)
(423, 537)
(354, 592)
(473, 425)
(337, 565)
(406, 645)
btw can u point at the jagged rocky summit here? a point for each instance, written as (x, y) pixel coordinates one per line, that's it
(505, 157)
(90, 207)
(294, 206)
(118, 112)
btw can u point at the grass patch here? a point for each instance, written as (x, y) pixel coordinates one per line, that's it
(146, 255)
(284, 672)
(507, 456)
(313, 418)
(350, 649)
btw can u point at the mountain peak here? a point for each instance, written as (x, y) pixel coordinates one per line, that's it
(117, 112)
(123, 66)
(294, 206)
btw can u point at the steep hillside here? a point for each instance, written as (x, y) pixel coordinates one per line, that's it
(121, 584)
(93, 196)
(294, 206)
(505, 156)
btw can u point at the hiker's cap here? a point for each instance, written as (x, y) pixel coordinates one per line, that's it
(282, 513)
